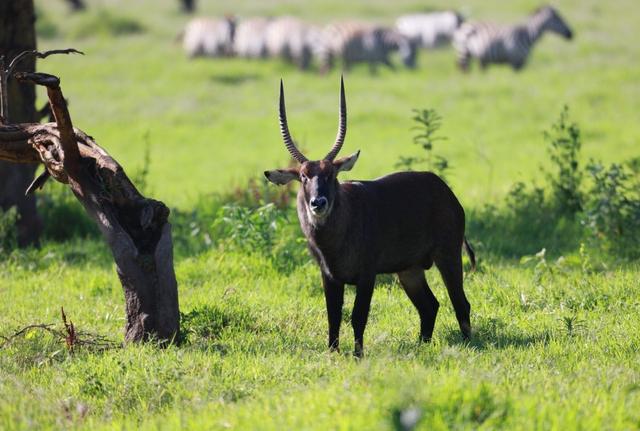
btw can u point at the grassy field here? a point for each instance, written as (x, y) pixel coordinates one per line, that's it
(555, 344)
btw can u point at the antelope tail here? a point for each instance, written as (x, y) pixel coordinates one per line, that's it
(470, 253)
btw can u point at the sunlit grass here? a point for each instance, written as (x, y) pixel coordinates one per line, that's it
(556, 346)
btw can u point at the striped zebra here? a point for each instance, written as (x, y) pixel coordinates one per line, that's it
(290, 38)
(251, 37)
(209, 37)
(430, 30)
(361, 42)
(490, 43)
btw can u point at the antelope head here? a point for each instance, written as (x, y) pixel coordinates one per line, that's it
(318, 178)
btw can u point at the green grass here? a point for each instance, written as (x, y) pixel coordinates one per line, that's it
(256, 356)
(555, 347)
(214, 122)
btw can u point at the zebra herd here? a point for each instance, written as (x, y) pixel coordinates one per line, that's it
(350, 42)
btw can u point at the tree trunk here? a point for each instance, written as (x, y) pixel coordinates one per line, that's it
(17, 34)
(136, 228)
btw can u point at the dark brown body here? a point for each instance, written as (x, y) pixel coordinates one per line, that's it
(401, 223)
(398, 222)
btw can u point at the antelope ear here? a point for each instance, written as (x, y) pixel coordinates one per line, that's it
(346, 163)
(282, 176)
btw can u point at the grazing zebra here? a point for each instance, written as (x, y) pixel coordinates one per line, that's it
(251, 37)
(430, 30)
(491, 43)
(289, 38)
(360, 42)
(209, 37)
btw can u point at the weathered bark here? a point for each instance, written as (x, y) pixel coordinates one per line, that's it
(17, 34)
(135, 228)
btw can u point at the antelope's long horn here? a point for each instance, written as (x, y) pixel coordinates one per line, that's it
(342, 124)
(284, 131)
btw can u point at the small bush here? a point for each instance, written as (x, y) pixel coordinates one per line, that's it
(428, 123)
(526, 223)
(267, 230)
(564, 151)
(211, 222)
(207, 322)
(612, 209)
(605, 210)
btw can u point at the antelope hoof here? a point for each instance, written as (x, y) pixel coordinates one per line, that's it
(358, 351)
(465, 328)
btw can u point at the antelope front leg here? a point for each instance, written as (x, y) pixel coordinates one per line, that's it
(334, 296)
(360, 314)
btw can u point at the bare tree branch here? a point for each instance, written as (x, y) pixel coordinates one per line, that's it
(7, 71)
(24, 54)
(60, 113)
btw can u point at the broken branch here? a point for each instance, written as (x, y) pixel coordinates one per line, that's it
(60, 113)
(35, 53)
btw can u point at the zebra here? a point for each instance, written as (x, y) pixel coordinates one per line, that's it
(209, 37)
(430, 30)
(250, 39)
(361, 42)
(491, 43)
(289, 38)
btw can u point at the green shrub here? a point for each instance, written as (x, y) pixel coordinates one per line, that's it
(209, 224)
(564, 151)
(268, 230)
(526, 223)
(612, 208)
(605, 210)
(428, 123)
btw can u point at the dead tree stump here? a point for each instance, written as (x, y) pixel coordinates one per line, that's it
(136, 228)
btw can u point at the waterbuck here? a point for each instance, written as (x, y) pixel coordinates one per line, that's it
(401, 223)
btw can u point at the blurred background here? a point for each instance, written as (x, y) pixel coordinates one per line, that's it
(211, 123)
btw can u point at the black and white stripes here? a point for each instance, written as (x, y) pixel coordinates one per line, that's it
(347, 43)
(495, 44)
(291, 39)
(362, 42)
(209, 37)
(430, 30)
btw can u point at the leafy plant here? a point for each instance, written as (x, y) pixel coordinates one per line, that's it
(605, 209)
(612, 213)
(428, 123)
(572, 325)
(564, 151)
(267, 230)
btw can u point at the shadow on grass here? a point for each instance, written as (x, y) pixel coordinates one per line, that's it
(526, 225)
(235, 79)
(494, 334)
